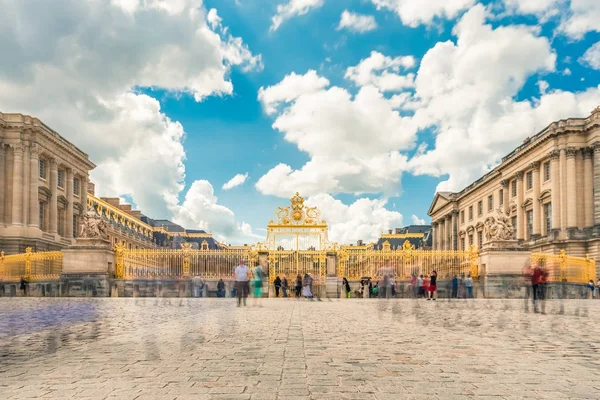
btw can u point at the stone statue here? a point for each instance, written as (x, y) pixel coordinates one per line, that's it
(499, 227)
(93, 226)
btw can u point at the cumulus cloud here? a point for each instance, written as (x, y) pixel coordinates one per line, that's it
(353, 141)
(290, 88)
(201, 209)
(293, 8)
(77, 69)
(237, 180)
(583, 16)
(364, 219)
(418, 221)
(468, 97)
(357, 22)
(417, 12)
(542, 8)
(591, 57)
(382, 72)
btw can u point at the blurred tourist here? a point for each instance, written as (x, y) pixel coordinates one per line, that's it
(433, 285)
(426, 287)
(298, 285)
(420, 290)
(220, 288)
(277, 284)
(306, 287)
(592, 288)
(284, 286)
(241, 283)
(454, 287)
(258, 284)
(469, 286)
(346, 287)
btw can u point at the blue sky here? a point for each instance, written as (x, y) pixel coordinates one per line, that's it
(171, 113)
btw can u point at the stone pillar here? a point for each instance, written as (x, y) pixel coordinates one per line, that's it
(596, 147)
(454, 226)
(555, 190)
(443, 234)
(17, 194)
(449, 232)
(505, 195)
(571, 153)
(3, 188)
(588, 188)
(535, 166)
(26, 182)
(563, 191)
(433, 233)
(520, 210)
(34, 209)
(84, 191)
(69, 216)
(53, 207)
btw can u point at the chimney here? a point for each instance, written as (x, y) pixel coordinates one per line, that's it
(91, 188)
(390, 231)
(397, 231)
(359, 242)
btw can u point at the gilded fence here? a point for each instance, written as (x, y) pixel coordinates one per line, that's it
(46, 265)
(356, 263)
(182, 263)
(564, 268)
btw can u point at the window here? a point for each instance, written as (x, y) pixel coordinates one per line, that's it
(60, 178)
(547, 171)
(462, 243)
(75, 226)
(42, 164)
(61, 222)
(529, 180)
(462, 217)
(41, 217)
(480, 207)
(76, 186)
(501, 195)
(490, 202)
(529, 224)
(479, 239)
(471, 239)
(548, 217)
(514, 224)
(470, 213)
(514, 188)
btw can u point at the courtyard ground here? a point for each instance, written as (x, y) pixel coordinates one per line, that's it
(333, 349)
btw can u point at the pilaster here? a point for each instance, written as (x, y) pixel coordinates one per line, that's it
(26, 179)
(506, 195)
(520, 211)
(433, 233)
(588, 187)
(596, 189)
(555, 189)
(3, 189)
(17, 178)
(69, 214)
(454, 225)
(34, 211)
(535, 166)
(53, 208)
(571, 153)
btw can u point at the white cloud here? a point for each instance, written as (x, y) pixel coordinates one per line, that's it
(591, 57)
(416, 12)
(293, 8)
(290, 88)
(357, 22)
(213, 18)
(201, 209)
(237, 180)
(583, 16)
(353, 142)
(542, 8)
(364, 219)
(418, 221)
(382, 72)
(76, 65)
(467, 96)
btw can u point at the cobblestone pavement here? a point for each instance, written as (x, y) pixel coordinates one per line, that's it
(289, 349)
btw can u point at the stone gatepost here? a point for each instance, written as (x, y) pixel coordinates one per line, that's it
(331, 285)
(88, 267)
(501, 265)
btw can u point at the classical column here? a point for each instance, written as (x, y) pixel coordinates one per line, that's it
(596, 189)
(454, 227)
(555, 188)
(588, 187)
(520, 210)
(448, 224)
(571, 153)
(433, 232)
(535, 166)
(69, 216)
(84, 192)
(443, 234)
(3, 188)
(17, 194)
(505, 195)
(34, 209)
(53, 207)
(26, 180)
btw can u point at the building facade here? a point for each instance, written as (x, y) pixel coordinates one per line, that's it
(419, 236)
(43, 185)
(549, 187)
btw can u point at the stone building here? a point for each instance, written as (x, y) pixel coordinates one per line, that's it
(549, 187)
(169, 234)
(43, 185)
(418, 235)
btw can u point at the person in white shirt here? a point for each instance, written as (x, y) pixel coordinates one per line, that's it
(241, 283)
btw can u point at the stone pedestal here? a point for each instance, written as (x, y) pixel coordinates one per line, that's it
(500, 271)
(87, 268)
(331, 287)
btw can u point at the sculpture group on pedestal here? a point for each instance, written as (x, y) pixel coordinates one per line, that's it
(93, 226)
(499, 227)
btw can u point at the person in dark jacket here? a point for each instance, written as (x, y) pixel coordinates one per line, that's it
(284, 286)
(346, 287)
(24, 286)
(220, 288)
(277, 284)
(298, 285)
